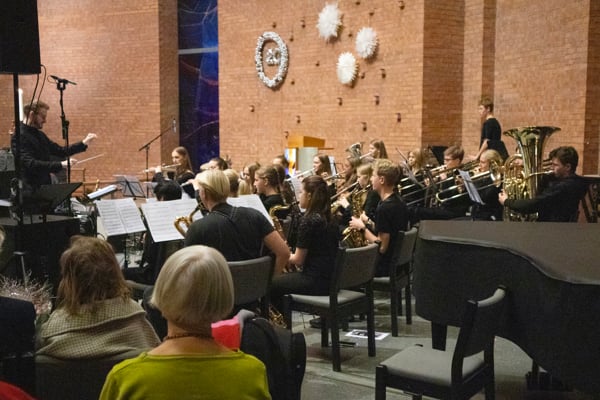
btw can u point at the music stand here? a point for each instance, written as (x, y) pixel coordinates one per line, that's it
(48, 197)
(472, 191)
(130, 186)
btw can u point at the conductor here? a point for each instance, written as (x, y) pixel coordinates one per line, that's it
(36, 148)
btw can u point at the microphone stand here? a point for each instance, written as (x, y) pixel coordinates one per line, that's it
(61, 85)
(147, 148)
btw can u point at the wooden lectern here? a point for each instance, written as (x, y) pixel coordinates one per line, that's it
(301, 150)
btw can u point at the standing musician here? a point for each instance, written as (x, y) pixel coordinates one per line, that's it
(316, 245)
(559, 200)
(266, 182)
(490, 130)
(391, 215)
(183, 170)
(36, 148)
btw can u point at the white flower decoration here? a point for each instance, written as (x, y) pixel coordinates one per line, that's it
(330, 20)
(366, 42)
(346, 68)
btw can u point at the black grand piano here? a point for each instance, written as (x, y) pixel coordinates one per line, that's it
(552, 272)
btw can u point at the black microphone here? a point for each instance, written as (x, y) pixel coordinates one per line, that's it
(60, 80)
(174, 125)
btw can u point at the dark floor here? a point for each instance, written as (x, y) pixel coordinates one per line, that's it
(357, 379)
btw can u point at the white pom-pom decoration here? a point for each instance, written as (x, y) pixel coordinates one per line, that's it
(366, 42)
(346, 68)
(330, 20)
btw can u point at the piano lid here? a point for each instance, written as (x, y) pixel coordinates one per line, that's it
(568, 252)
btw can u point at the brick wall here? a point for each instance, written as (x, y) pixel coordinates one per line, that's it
(542, 67)
(126, 78)
(439, 58)
(539, 60)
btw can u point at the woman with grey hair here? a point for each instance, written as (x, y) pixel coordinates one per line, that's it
(193, 289)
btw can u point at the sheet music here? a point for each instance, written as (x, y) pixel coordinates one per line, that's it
(250, 201)
(470, 186)
(161, 215)
(120, 216)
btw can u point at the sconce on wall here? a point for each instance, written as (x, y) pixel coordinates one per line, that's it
(251, 107)
(298, 119)
(398, 117)
(340, 101)
(303, 22)
(401, 4)
(364, 126)
(376, 99)
(362, 75)
(382, 70)
(274, 24)
(286, 134)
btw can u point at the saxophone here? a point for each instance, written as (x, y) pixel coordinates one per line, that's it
(522, 179)
(353, 237)
(181, 222)
(276, 221)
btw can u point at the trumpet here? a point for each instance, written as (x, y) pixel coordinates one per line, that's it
(302, 174)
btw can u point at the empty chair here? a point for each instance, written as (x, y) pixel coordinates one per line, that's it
(74, 379)
(449, 375)
(251, 281)
(354, 268)
(399, 278)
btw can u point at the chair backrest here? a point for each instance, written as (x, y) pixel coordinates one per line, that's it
(354, 267)
(74, 379)
(251, 278)
(480, 324)
(405, 246)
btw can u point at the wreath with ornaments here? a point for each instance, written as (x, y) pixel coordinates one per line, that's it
(273, 56)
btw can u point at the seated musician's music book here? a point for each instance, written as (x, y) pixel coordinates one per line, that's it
(120, 216)
(470, 186)
(160, 217)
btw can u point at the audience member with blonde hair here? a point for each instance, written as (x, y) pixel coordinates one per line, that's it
(193, 290)
(95, 316)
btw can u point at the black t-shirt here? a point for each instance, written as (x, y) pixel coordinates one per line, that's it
(391, 217)
(490, 130)
(237, 232)
(321, 240)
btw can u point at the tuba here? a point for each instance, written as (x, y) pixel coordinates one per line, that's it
(523, 172)
(352, 237)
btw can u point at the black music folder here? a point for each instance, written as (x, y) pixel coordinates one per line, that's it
(48, 197)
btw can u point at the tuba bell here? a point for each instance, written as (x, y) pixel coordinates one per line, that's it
(523, 172)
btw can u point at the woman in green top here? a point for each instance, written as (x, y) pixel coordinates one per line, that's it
(194, 289)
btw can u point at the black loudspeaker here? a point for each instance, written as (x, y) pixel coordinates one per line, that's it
(19, 37)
